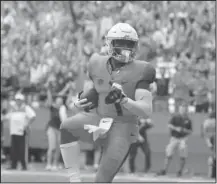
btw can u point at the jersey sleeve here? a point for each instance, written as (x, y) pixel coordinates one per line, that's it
(149, 76)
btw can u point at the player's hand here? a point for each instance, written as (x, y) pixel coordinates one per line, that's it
(116, 94)
(82, 104)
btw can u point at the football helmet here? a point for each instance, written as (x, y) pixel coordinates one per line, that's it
(122, 41)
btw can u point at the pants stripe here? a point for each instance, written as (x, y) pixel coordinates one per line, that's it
(123, 161)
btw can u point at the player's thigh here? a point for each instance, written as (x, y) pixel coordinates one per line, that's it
(173, 143)
(115, 151)
(79, 120)
(51, 138)
(75, 125)
(183, 150)
(112, 159)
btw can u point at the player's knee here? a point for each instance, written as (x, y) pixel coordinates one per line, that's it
(67, 137)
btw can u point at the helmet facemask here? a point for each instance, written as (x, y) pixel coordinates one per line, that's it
(122, 50)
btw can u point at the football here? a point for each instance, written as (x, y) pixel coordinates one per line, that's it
(92, 96)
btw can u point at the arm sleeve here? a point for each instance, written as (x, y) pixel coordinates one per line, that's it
(149, 76)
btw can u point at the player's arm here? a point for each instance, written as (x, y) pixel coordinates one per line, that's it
(30, 114)
(142, 105)
(189, 129)
(171, 124)
(63, 113)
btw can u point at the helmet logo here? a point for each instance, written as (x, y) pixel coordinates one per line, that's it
(126, 29)
(126, 36)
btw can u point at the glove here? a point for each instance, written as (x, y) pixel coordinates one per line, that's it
(116, 94)
(91, 96)
(82, 104)
(101, 130)
(97, 131)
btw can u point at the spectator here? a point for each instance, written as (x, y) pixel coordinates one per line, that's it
(180, 127)
(20, 117)
(57, 114)
(143, 143)
(3, 113)
(162, 83)
(12, 83)
(201, 93)
(175, 23)
(181, 85)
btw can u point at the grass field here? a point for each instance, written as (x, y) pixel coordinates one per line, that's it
(60, 177)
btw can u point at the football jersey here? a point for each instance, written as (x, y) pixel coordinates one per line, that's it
(128, 76)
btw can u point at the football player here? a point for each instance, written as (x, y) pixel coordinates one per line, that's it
(122, 85)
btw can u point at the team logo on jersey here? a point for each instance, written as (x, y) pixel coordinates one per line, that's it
(100, 81)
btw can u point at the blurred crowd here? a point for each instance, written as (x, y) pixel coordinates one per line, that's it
(45, 47)
(48, 43)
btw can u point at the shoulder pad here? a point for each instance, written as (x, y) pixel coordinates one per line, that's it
(93, 58)
(98, 58)
(149, 73)
(96, 61)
